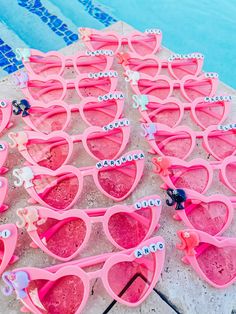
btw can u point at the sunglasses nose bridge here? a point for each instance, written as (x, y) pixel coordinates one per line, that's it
(95, 274)
(176, 84)
(124, 40)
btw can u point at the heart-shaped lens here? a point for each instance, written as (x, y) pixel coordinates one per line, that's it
(45, 91)
(159, 88)
(100, 113)
(63, 295)
(105, 145)
(129, 229)
(230, 172)
(62, 237)
(57, 191)
(130, 280)
(177, 144)
(218, 264)
(180, 68)
(47, 120)
(209, 113)
(166, 113)
(210, 216)
(45, 65)
(118, 181)
(197, 88)
(93, 88)
(144, 44)
(192, 177)
(222, 144)
(51, 153)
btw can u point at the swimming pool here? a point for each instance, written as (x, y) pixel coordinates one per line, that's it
(187, 25)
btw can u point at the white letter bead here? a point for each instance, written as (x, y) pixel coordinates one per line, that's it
(153, 247)
(138, 253)
(5, 234)
(145, 203)
(146, 250)
(138, 205)
(160, 246)
(2, 147)
(3, 104)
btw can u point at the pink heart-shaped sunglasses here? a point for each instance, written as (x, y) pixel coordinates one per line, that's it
(55, 149)
(205, 111)
(140, 43)
(60, 189)
(180, 141)
(128, 276)
(54, 63)
(177, 66)
(63, 235)
(213, 258)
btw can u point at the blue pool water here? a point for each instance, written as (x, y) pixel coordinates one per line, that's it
(188, 25)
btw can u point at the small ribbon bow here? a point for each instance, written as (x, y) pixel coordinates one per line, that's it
(140, 101)
(149, 130)
(132, 76)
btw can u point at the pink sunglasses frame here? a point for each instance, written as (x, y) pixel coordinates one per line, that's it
(193, 135)
(125, 57)
(89, 217)
(64, 84)
(3, 193)
(76, 268)
(4, 150)
(191, 254)
(9, 242)
(164, 163)
(64, 61)
(79, 173)
(171, 83)
(146, 116)
(87, 33)
(182, 215)
(20, 140)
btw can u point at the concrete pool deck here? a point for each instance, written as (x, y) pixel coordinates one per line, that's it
(179, 289)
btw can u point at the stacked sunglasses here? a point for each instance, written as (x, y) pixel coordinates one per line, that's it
(55, 185)
(164, 90)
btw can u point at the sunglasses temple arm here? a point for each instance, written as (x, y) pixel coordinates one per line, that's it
(170, 138)
(233, 201)
(219, 134)
(205, 109)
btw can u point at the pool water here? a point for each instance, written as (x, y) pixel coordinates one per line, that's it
(205, 26)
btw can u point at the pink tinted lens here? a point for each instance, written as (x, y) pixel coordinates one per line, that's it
(129, 229)
(50, 153)
(158, 88)
(193, 178)
(209, 113)
(109, 42)
(86, 64)
(144, 44)
(100, 113)
(47, 120)
(218, 264)
(209, 217)
(45, 91)
(167, 113)
(57, 191)
(63, 238)
(94, 88)
(105, 145)
(175, 145)
(194, 88)
(147, 66)
(130, 281)
(222, 144)
(63, 295)
(46, 65)
(118, 181)
(183, 67)
(230, 173)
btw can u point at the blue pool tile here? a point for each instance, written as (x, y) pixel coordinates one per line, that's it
(10, 68)
(10, 54)
(5, 48)
(73, 37)
(57, 23)
(3, 62)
